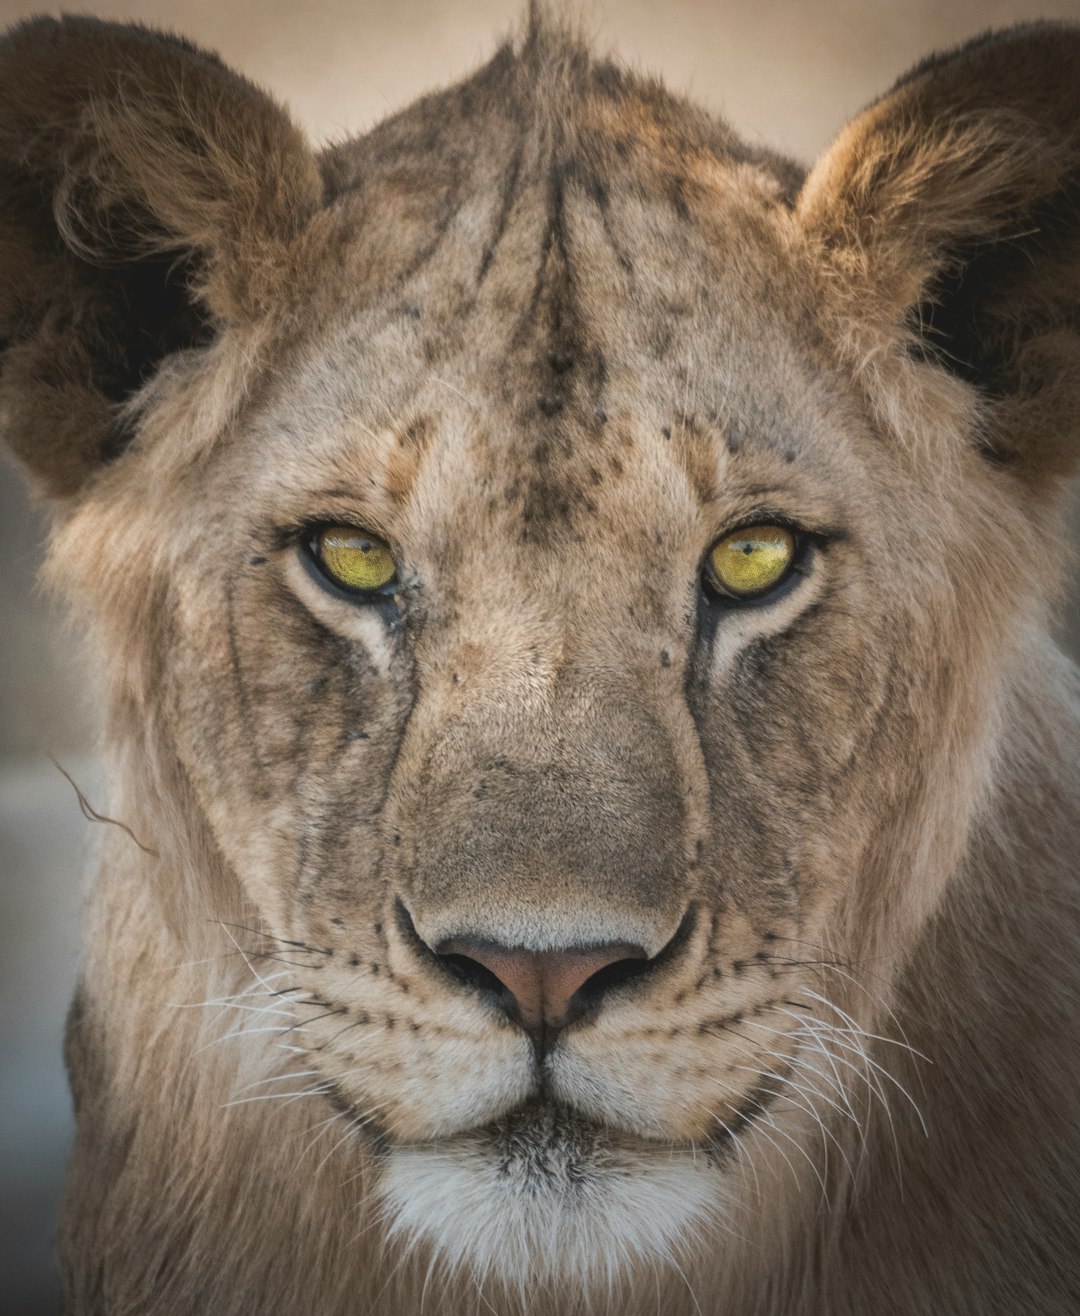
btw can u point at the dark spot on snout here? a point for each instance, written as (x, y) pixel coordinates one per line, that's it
(550, 403)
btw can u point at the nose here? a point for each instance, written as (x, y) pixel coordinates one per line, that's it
(545, 990)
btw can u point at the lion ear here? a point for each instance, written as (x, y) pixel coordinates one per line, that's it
(950, 212)
(148, 196)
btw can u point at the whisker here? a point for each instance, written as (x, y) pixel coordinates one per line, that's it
(285, 941)
(275, 1078)
(319, 1091)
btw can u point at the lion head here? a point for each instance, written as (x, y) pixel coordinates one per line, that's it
(562, 582)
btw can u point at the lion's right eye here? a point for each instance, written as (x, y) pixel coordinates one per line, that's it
(353, 559)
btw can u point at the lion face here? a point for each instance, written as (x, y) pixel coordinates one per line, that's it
(574, 874)
(550, 732)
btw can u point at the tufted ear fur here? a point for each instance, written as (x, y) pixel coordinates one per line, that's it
(950, 212)
(147, 197)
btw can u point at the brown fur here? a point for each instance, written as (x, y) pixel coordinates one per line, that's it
(551, 333)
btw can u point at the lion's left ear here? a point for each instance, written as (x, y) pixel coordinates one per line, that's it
(950, 212)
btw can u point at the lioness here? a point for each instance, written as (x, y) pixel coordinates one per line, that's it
(599, 796)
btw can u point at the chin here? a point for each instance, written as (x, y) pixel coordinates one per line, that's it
(542, 1198)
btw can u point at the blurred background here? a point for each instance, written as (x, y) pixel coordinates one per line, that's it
(784, 72)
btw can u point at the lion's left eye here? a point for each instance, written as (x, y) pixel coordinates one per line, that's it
(750, 562)
(353, 559)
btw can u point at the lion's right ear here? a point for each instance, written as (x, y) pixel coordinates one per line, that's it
(148, 195)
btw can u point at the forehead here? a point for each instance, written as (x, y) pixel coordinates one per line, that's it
(549, 288)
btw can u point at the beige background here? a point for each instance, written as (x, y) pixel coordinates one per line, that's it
(783, 72)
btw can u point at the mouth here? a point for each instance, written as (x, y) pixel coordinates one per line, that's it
(545, 1141)
(543, 1144)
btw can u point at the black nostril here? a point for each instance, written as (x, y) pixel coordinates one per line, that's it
(587, 996)
(469, 972)
(473, 974)
(620, 973)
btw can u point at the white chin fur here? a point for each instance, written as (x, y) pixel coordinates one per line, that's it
(546, 1202)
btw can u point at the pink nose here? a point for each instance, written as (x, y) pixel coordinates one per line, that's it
(542, 983)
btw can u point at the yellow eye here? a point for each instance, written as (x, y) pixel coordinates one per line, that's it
(353, 559)
(751, 561)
